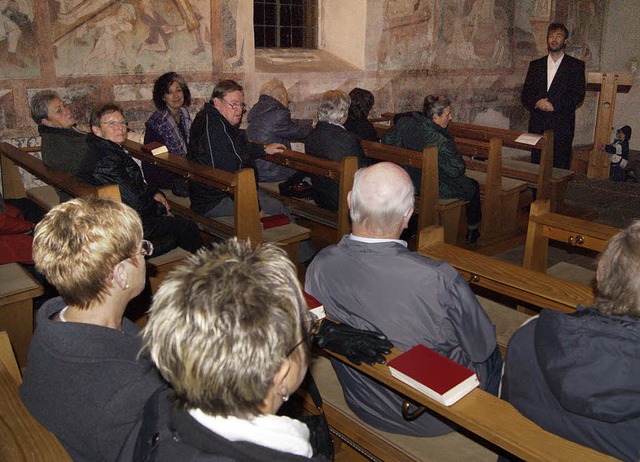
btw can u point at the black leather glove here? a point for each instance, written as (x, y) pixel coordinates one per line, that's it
(358, 346)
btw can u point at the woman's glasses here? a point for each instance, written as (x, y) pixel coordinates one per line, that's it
(307, 337)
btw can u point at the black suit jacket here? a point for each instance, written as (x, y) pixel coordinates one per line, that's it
(566, 94)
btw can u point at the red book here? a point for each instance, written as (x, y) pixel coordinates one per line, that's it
(435, 375)
(316, 308)
(274, 220)
(154, 148)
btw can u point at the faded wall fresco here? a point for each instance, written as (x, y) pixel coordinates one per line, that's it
(476, 51)
(97, 37)
(18, 53)
(450, 34)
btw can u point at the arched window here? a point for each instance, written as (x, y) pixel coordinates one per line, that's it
(285, 23)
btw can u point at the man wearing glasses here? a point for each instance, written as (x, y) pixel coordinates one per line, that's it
(216, 140)
(553, 89)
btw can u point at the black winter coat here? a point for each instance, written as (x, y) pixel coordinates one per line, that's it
(115, 166)
(331, 142)
(217, 143)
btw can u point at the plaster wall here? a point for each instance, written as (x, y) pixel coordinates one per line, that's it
(621, 46)
(475, 51)
(343, 28)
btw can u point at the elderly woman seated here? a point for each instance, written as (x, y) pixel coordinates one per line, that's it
(84, 380)
(63, 145)
(578, 375)
(228, 330)
(115, 166)
(330, 140)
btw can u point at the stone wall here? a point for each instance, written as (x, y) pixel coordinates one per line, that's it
(476, 51)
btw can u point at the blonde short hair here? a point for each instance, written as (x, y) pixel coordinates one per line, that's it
(222, 324)
(274, 88)
(77, 244)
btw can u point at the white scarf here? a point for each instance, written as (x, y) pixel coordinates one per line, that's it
(272, 431)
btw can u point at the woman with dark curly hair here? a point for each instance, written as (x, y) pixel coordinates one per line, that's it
(169, 125)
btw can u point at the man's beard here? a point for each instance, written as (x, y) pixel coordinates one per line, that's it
(560, 48)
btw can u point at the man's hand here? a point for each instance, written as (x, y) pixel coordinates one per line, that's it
(273, 148)
(358, 346)
(159, 197)
(544, 105)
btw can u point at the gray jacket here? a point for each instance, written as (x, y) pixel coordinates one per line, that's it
(271, 122)
(85, 384)
(410, 298)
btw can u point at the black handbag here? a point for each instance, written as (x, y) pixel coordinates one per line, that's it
(319, 434)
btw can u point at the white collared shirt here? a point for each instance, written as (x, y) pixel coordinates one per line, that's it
(552, 69)
(373, 240)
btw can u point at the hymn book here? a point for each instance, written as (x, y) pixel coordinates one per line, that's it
(154, 148)
(434, 375)
(315, 307)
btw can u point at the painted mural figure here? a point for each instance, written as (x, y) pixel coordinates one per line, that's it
(108, 46)
(13, 23)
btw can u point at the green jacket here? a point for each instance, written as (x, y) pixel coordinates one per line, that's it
(416, 132)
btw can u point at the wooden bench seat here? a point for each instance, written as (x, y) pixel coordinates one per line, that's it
(526, 285)
(245, 224)
(380, 445)
(13, 158)
(545, 225)
(490, 418)
(18, 288)
(342, 171)
(22, 438)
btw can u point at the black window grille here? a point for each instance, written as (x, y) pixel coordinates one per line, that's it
(285, 23)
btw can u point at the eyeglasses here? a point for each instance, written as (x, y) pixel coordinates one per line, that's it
(235, 106)
(115, 123)
(307, 337)
(146, 248)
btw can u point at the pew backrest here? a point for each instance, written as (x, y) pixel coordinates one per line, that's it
(13, 187)
(529, 286)
(425, 161)
(241, 184)
(545, 225)
(342, 171)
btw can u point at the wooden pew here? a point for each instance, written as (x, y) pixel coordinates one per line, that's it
(500, 194)
(493, 420)
(550, 182)
(529, 286)
(545, 225)
(22, 438)
(430, 208)
(18, 288)
(245, 224)
(342, 171)
(46, 197)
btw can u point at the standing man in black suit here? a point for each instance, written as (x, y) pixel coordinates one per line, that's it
(553, 89)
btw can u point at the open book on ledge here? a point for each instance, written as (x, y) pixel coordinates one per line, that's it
(433, 374)
(528, 138)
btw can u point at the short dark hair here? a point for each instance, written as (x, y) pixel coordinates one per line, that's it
(161, 88)
(435, 105)
(224, 87)
(361, 102)
(558, 26)
(102, 109)
(39, 105)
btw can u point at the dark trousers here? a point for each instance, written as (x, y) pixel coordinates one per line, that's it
(474, 208)
(167, 233)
